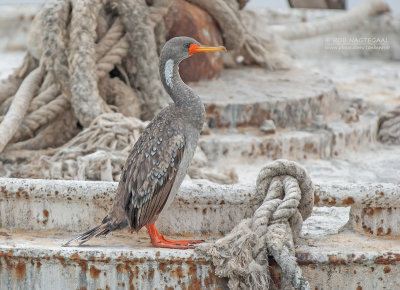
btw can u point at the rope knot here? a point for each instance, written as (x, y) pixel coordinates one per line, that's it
(242, 256)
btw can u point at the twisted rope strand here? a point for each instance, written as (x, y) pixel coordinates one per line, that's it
(242, 255)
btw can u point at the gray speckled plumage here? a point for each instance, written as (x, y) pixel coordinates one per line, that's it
(160, 159)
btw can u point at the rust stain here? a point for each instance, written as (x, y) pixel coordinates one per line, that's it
(210, 108)
(389, 260)
(368, 211)
(367, 229)
(151, 274)
(81, 262)
(75, 257)
(386, 269)
(335, 260)
(348, 201)
(360, 259)
(195, 284)
(119, 268)
(330, 202)
(192, 270)
(84, 266)
(61, 259)
(222, 202)
(162, 267)
(316, 198)
(94, 272)
(204, 211)
(276, 274)
(178, 272)
(359, 287)
(20, 270)
(308, 146)
(46, 213)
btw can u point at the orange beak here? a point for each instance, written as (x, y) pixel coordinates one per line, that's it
(194, 48)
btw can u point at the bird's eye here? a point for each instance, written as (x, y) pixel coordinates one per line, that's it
(187, 45)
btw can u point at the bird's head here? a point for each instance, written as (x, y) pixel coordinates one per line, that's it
(179, 48)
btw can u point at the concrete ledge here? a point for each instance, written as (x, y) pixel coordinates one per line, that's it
(40, 263)
(336, 139)
(35, 260)
(293, 98)
(202, 209)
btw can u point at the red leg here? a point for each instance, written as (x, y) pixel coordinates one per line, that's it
(158, 240)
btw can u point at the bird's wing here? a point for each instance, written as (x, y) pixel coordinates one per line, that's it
(150, 171)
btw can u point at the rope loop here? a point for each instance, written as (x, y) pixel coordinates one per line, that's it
(288, 197)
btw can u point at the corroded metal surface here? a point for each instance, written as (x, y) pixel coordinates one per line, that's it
(368, 194)
(375, 208)
(334, 140)
(201, 209)
(35, 260)
(42, 264)
(248, 103)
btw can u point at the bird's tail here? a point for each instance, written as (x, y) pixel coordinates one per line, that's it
(103, 229)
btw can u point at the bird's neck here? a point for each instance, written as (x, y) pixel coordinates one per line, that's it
(182, 95)
(179, 92)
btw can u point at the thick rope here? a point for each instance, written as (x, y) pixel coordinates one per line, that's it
(142, 60)
(53, 135)
(242, 255)
(389, 127)
(19, 106)
(56, 16)
(112, 36)
(43, 98)
(41, 117)
(9, 86)
(85, 99)
(112, 58)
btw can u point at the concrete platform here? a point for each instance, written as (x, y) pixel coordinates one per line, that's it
(247, 144)
(202, 209)
(32, 260)
(249, 96)
(38, 215)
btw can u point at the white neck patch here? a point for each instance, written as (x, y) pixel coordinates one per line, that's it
(168, 72)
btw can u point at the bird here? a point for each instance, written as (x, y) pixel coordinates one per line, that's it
(160, 158)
